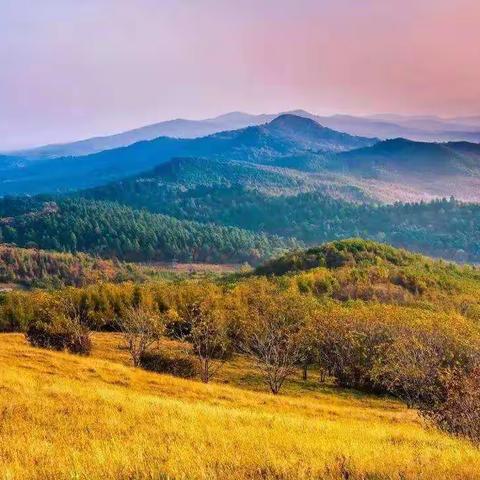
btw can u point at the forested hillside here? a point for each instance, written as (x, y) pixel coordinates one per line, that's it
(357, 269)
(111, 230)
(443, 228)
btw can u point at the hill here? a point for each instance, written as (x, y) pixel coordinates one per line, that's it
(95, 417)
(287, 141)
(114, 231)
(400, 155)
(263, 200)
(332, 255)
(156, 188)
(430, 169)
(363, 270)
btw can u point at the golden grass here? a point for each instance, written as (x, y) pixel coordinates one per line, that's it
(67, 417)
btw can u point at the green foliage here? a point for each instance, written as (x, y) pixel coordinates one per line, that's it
(441, 228)
(352, 252)
(111, 230)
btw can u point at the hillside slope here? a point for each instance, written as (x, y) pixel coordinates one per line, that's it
(28, 267)
(424, 170)
(87, 418)
(114, 231)
(448, 229)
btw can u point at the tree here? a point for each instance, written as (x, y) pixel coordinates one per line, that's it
(140, 327)
(274, 322)
(456, 408)
(202, 322)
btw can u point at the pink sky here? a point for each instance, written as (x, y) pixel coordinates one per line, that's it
(73, 69)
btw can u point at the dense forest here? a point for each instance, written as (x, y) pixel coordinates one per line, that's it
(114, 231)
(443, 228)
(255, 225)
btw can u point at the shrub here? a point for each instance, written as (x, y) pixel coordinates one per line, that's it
(60, 334)
(396, 350)
(180, 366)
(456, 408)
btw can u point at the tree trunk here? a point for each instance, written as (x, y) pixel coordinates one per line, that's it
(305, 371)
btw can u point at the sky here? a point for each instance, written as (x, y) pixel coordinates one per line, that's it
(72, 69)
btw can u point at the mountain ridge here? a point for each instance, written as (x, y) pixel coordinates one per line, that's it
(383, 126)
(287, 146)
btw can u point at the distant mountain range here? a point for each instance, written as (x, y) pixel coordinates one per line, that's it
(424, 128)
(290, 177)
(287, 141)
(290, 154)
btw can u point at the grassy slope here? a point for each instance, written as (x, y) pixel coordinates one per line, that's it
(64, 417)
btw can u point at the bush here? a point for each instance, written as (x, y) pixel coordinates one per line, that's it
(397, 350)
(61, 334)
(180, 366)
(456, 408)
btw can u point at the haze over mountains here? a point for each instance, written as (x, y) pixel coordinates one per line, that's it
(345, 166)
(383, 126)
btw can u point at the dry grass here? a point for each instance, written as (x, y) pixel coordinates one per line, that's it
(66, 417)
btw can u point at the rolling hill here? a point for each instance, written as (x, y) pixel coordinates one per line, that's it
(440, 228)
(419, 169)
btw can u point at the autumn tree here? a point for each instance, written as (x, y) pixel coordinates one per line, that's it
(141, 327)
(203, 323)
(273, 321)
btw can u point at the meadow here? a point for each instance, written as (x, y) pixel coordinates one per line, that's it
(70, 417)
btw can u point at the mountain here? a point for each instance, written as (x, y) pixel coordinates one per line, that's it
(388, 171)
(178, 128)
(289, 155)
(433, 123)
(421, 170)
(287, 141)
(382, 126)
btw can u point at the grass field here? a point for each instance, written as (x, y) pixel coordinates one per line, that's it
(68, 417)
